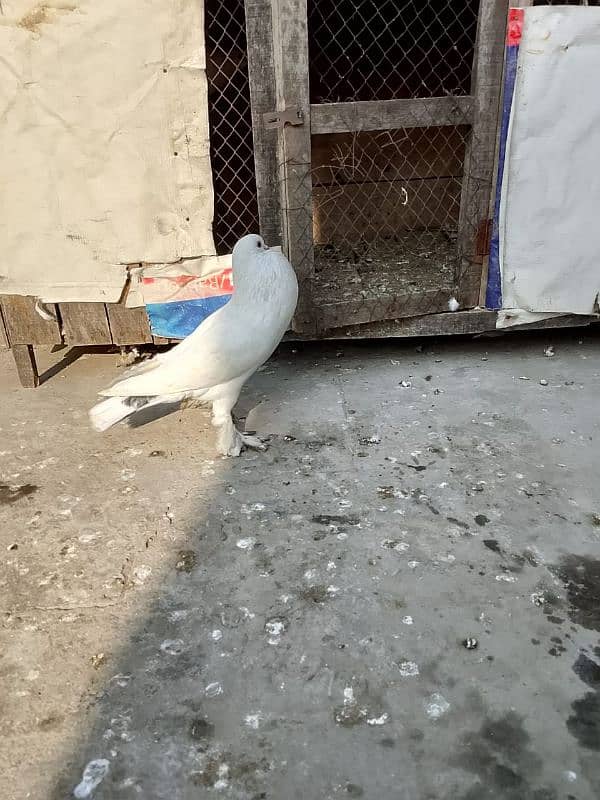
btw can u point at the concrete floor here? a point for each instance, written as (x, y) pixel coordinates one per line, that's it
(293, 624)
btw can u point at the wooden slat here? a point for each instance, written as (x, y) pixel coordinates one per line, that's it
(479, 159)
(379, 115)
(261, 74)
(367, 207)
(474, 322)
(3, 335)
(365, 310)
(290, 36)
(24, 356)
(85, 323)
(128, 325)
(162, 341)
(440, 324)
(24, 325)
(398, 155)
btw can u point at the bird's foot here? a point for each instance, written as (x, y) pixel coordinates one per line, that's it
(253, 442)
(233, 444)
(230, 445)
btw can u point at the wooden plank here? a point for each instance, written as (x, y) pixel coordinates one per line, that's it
(3, 335)
(458, 323)
(376, 309)
(476, 322)
(379, 115)
(85, 323)
(24, 356)
(481, 148)
(24, 325)
(364, 211)
(128, 325)
(290, 50)
(340, 158)
(471, 322)
(160, 340)
(261, 74)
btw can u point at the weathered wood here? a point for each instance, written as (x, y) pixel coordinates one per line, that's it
(128, 325)
(447, 324)
(475, 322)
(379, 207)
(377, 309)
(24, 356)
(481, 148)
(290, 51)
(3, 335)
(261, 75)
(24, 325)
(399, 155)
(160, 340)
(85, 323)
(379, 115)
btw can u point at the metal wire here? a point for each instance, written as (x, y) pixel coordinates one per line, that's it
(230, 120)
(388, 49)
(386, 203)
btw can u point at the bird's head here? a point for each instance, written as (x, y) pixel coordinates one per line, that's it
(248, 247)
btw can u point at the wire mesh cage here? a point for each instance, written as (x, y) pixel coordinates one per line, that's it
(387, 203)
(389, 49)
(230, 121)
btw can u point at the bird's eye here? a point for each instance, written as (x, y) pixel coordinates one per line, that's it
(259, 244)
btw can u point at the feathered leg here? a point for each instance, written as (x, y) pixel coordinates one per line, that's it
(230, 441)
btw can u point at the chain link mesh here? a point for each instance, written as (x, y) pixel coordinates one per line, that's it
(388, 49)
(386, 204)
(230, 120)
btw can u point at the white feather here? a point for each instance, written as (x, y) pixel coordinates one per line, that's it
(233, 341)
(214, 361)
(109, 412)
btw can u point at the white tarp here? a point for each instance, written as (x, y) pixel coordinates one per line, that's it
(549, 214)
(104, 153)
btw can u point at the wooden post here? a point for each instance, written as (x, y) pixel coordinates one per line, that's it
(24, 357)
(261, 75)
(290, 49)
(481, 148)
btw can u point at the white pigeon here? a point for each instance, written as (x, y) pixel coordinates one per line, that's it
(212, 364)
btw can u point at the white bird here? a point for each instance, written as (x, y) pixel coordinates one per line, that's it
(212, 364)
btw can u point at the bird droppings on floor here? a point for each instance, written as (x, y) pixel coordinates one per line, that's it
(399, 599)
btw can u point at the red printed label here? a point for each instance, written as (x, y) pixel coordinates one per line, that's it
(515, 26)
(186, 287)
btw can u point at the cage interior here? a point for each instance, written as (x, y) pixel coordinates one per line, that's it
(386, 203)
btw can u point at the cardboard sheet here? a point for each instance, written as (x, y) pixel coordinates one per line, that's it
(104, 151)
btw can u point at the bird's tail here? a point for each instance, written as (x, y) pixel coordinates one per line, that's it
(110, 411)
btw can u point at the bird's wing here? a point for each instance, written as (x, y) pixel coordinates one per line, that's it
(216, 352)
